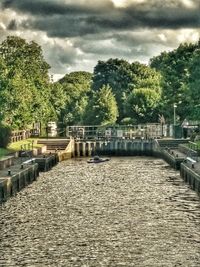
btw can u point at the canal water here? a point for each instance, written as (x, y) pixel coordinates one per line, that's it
(125, 212)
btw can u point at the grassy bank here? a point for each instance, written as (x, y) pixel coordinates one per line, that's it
(28, 143)
(4, 152)
(16, 146)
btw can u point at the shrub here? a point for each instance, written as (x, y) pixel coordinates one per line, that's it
(5, 134)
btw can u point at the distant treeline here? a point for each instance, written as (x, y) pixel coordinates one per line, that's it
(116, 92)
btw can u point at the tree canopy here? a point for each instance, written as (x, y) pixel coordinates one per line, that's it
(116, 92)
(25, 87)
(175, 69)
(102, 109)
(76, 87)
(123, 78)
(193, 87)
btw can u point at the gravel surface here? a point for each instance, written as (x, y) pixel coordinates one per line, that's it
(125, 212)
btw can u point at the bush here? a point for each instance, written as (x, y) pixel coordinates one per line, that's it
(5, 134)
(128, 121)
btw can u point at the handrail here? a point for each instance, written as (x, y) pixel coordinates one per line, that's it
(20, 135)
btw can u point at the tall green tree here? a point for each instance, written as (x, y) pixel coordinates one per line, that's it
(77, 88)
(26, 92)
(142, 105)
(102, 109)
(117, 74)
(3, 82)
(57, 98)
(145, 77)
(193, 88)
(124, 78)
(174, 68)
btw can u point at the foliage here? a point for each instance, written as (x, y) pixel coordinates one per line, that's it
(145, 77)
(76, 87)
(194, 87)
(4, 152)
(123, 78)
(25, 87)
(174, 68)
(117, 91)
(117, 74)
(57, 98)
(128, 121)
(5, 134)
(102, 109)
(142, 104)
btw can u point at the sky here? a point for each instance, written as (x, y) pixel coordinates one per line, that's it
(75, 34)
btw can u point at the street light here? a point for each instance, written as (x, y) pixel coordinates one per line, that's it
(162, 122)
(175, 106)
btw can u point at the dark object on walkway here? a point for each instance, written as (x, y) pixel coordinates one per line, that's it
(97, 159)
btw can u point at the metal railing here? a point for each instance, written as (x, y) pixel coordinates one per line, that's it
(141, 131)
(20, 135)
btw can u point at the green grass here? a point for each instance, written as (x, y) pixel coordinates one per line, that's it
(16, 146)
(198, 144)
(4, 152)
(194, 145)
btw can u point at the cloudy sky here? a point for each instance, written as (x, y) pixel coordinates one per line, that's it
(75, 34)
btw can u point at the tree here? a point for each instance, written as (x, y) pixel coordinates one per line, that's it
(57, 97)
(144, 77)
(27, 57)
(17, 98)
(5, 134)
(76, 87)
(3, 82)
(26, 92)
(102, 109)
(117, 75)
(142, 105)
(123, 78)
(174, 68)
(193, 87)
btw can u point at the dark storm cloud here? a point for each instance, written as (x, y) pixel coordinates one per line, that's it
(53, 7)
(59, 19)
(162, 15)
(137, 46)
(59, 58)
(62, 27)
(75, 34)
(70, 26)
(37, 7)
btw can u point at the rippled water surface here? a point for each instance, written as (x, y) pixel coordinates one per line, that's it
(125, 212)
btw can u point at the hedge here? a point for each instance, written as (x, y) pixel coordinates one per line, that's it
(5, 134)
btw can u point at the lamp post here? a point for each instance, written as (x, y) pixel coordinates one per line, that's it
(162, 122)
(175, 106)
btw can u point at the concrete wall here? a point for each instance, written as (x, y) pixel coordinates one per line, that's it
(46, 162)
(140, 147)
(39, 150)
(12, 183)
(15, 179)
(6, 161)
(172, 159)
(190, 176)
(3, 189)
(68, 153)
(114, 147)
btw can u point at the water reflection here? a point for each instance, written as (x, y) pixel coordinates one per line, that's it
(125, 212)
